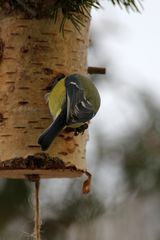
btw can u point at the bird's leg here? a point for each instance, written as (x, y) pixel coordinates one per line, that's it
(80, 129)
(77, 130)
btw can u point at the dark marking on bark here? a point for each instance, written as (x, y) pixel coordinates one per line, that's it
(59, 65)
(2, 45)
(45, 118)
(1, 118)
(6, 135)
(19, 127)
(24, 49)
(68, 30)
(41, 48)
(24, 88)
(37, 63)
(76, 144)
(33, 121)
(22, 26)
(29, 37)
(33, 146)
(44, 89)
(71, 150)
(22, 102)
(63, 153)
(41, 41)
(48, 34)
(15, 34)
(80, 40)
(10, 73)
(61, 135)
(44, 79)
(48, 71)
(76, 70)
(10, 82)
(10, 47)
(37, 72)
(68, 138)
(5, 97)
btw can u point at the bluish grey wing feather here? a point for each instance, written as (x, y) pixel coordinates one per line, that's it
(48, 136)
(79, 109)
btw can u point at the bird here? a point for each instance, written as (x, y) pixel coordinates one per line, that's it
(73, 101)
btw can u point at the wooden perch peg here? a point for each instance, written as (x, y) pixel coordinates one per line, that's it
(96, 70)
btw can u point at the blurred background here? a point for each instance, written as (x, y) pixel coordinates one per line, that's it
(123, 152)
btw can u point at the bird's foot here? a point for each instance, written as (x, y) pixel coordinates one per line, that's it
(78, 130)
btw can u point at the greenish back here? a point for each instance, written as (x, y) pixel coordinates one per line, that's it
(90, 91)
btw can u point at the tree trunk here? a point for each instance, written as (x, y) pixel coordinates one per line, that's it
(32, 52)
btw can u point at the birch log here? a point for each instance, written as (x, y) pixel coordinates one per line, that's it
(32, 52)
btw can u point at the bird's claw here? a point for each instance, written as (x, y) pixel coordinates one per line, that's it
(77, 130)
(81, 129)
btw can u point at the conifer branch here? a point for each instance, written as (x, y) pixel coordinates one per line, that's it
(71, 10)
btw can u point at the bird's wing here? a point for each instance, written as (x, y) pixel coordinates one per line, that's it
(48, 136)
(79, 109)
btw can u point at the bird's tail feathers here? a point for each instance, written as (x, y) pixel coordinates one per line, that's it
(47, 137)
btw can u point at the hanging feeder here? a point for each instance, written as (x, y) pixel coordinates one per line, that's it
(32, 52)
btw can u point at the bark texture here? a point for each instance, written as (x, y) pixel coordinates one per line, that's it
(32, 52)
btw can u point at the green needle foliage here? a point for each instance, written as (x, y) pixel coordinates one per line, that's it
(128, 4)
(76, 10)
(72, 10)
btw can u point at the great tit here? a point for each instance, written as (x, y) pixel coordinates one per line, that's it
(73, 101)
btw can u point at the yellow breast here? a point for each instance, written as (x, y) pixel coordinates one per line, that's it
(56, 98)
